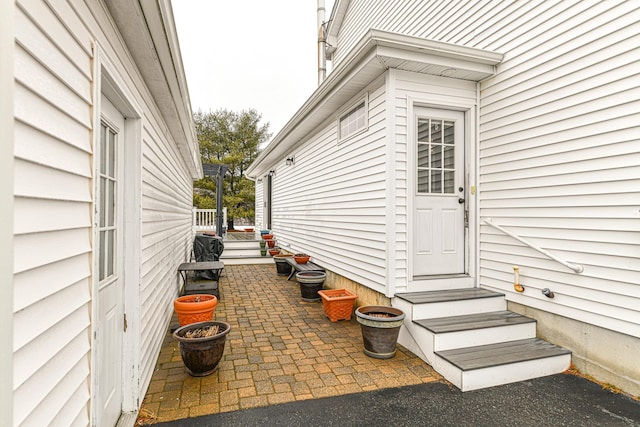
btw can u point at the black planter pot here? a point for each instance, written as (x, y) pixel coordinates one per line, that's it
(202, 355)
(310, 283)
(282, 266)
(380, 327)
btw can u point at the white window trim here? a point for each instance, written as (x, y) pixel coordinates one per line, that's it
(345, 112)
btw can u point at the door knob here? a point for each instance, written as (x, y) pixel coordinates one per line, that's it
(461, 200)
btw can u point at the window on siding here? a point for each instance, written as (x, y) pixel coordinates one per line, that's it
(354, 121)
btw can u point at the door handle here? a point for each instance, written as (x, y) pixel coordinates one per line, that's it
(461, 200)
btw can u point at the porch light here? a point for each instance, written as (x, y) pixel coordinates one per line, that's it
(290, 161)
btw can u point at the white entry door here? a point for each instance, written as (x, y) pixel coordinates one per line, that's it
(108, 268)
(439, 206)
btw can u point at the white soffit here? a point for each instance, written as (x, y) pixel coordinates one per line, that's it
(375, 53)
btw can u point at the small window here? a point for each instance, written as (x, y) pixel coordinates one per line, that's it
(354, 121)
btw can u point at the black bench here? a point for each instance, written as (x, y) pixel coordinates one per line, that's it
(296, 268)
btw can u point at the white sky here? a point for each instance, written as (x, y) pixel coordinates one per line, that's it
(241, 54)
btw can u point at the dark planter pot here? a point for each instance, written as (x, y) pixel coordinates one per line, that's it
(380, 327)
(282, 266)
(202, 355)
(310, 283)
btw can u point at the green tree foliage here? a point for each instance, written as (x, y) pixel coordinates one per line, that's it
(234, 139)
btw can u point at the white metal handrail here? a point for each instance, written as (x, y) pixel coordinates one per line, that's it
(578, 268)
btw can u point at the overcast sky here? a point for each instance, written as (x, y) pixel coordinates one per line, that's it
(241, 54)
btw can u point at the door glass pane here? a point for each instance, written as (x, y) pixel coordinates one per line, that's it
(103, 149)
(436, 182)
(110, 252)
(436, 156)
(448, 133)
(101, 256)
(449, 182)
(423, 130)
(423, 155)
(449, 157)
(111, 200)
(436, 131)
(112, 154)
(423, 181)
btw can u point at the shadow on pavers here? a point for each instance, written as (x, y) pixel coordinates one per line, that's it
(558, 400)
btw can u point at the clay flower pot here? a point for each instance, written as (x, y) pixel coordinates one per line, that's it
(201, 354)
(271, 243)
(249, 230)
(380, 327)
(274, 251)
(195, 308)
(337, 303)
(267, 236)
(301, 258)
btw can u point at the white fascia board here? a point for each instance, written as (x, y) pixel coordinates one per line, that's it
(369, 56)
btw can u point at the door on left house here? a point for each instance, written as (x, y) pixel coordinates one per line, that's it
(108, 266)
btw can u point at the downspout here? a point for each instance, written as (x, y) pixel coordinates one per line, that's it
(322, 59)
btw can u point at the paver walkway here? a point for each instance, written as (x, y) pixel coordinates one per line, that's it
(280, 349)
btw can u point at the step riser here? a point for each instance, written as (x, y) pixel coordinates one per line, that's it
(458, 308)
(475, 337)
(240, 252)
(503, 374)
(249, 244)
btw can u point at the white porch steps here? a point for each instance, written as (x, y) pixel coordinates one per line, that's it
(243, 252)
(469, 337)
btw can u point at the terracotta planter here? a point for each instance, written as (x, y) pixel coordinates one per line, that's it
(274, 251)
(301, 259)
(249, 230)
(202, 355)
(283, 268)
(310, 283)
(337, 303)
(267, 236)
(380, 327)
(271, 243)
(195, 308)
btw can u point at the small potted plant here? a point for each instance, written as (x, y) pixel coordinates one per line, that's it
(274, 251)
(301, 258)
(283, 268)
(195, 308)
(202, 345)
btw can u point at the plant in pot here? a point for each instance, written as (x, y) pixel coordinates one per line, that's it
(263, 244)
(202, 345)
(283, 268)
(380, 326)
(263, 251)
(271, 243)
(267, 236)
(337, 303)
(195, 308)
(301, 258)
(310, 283)
(274, 251)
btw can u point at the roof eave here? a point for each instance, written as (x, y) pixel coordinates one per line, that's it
(376, 52)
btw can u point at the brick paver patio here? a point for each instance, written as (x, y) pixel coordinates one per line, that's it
(280, 349)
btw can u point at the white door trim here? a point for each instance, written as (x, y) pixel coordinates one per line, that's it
(471, 179)
(109, 82)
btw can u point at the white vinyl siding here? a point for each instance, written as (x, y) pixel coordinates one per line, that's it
(54, 124)
(315, 207)
(558, 142)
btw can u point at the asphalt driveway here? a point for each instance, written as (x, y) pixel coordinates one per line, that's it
(558, 400)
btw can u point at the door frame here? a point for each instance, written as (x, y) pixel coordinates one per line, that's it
(470, 194)
(113, 87)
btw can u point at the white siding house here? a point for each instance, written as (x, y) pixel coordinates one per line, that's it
(538, 105)
(98, 160)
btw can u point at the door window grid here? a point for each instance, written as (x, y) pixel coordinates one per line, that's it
(107, 203)
(436, 156)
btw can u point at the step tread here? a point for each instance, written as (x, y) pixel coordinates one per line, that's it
(468, 322)
(448, 295)
(486, 356)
